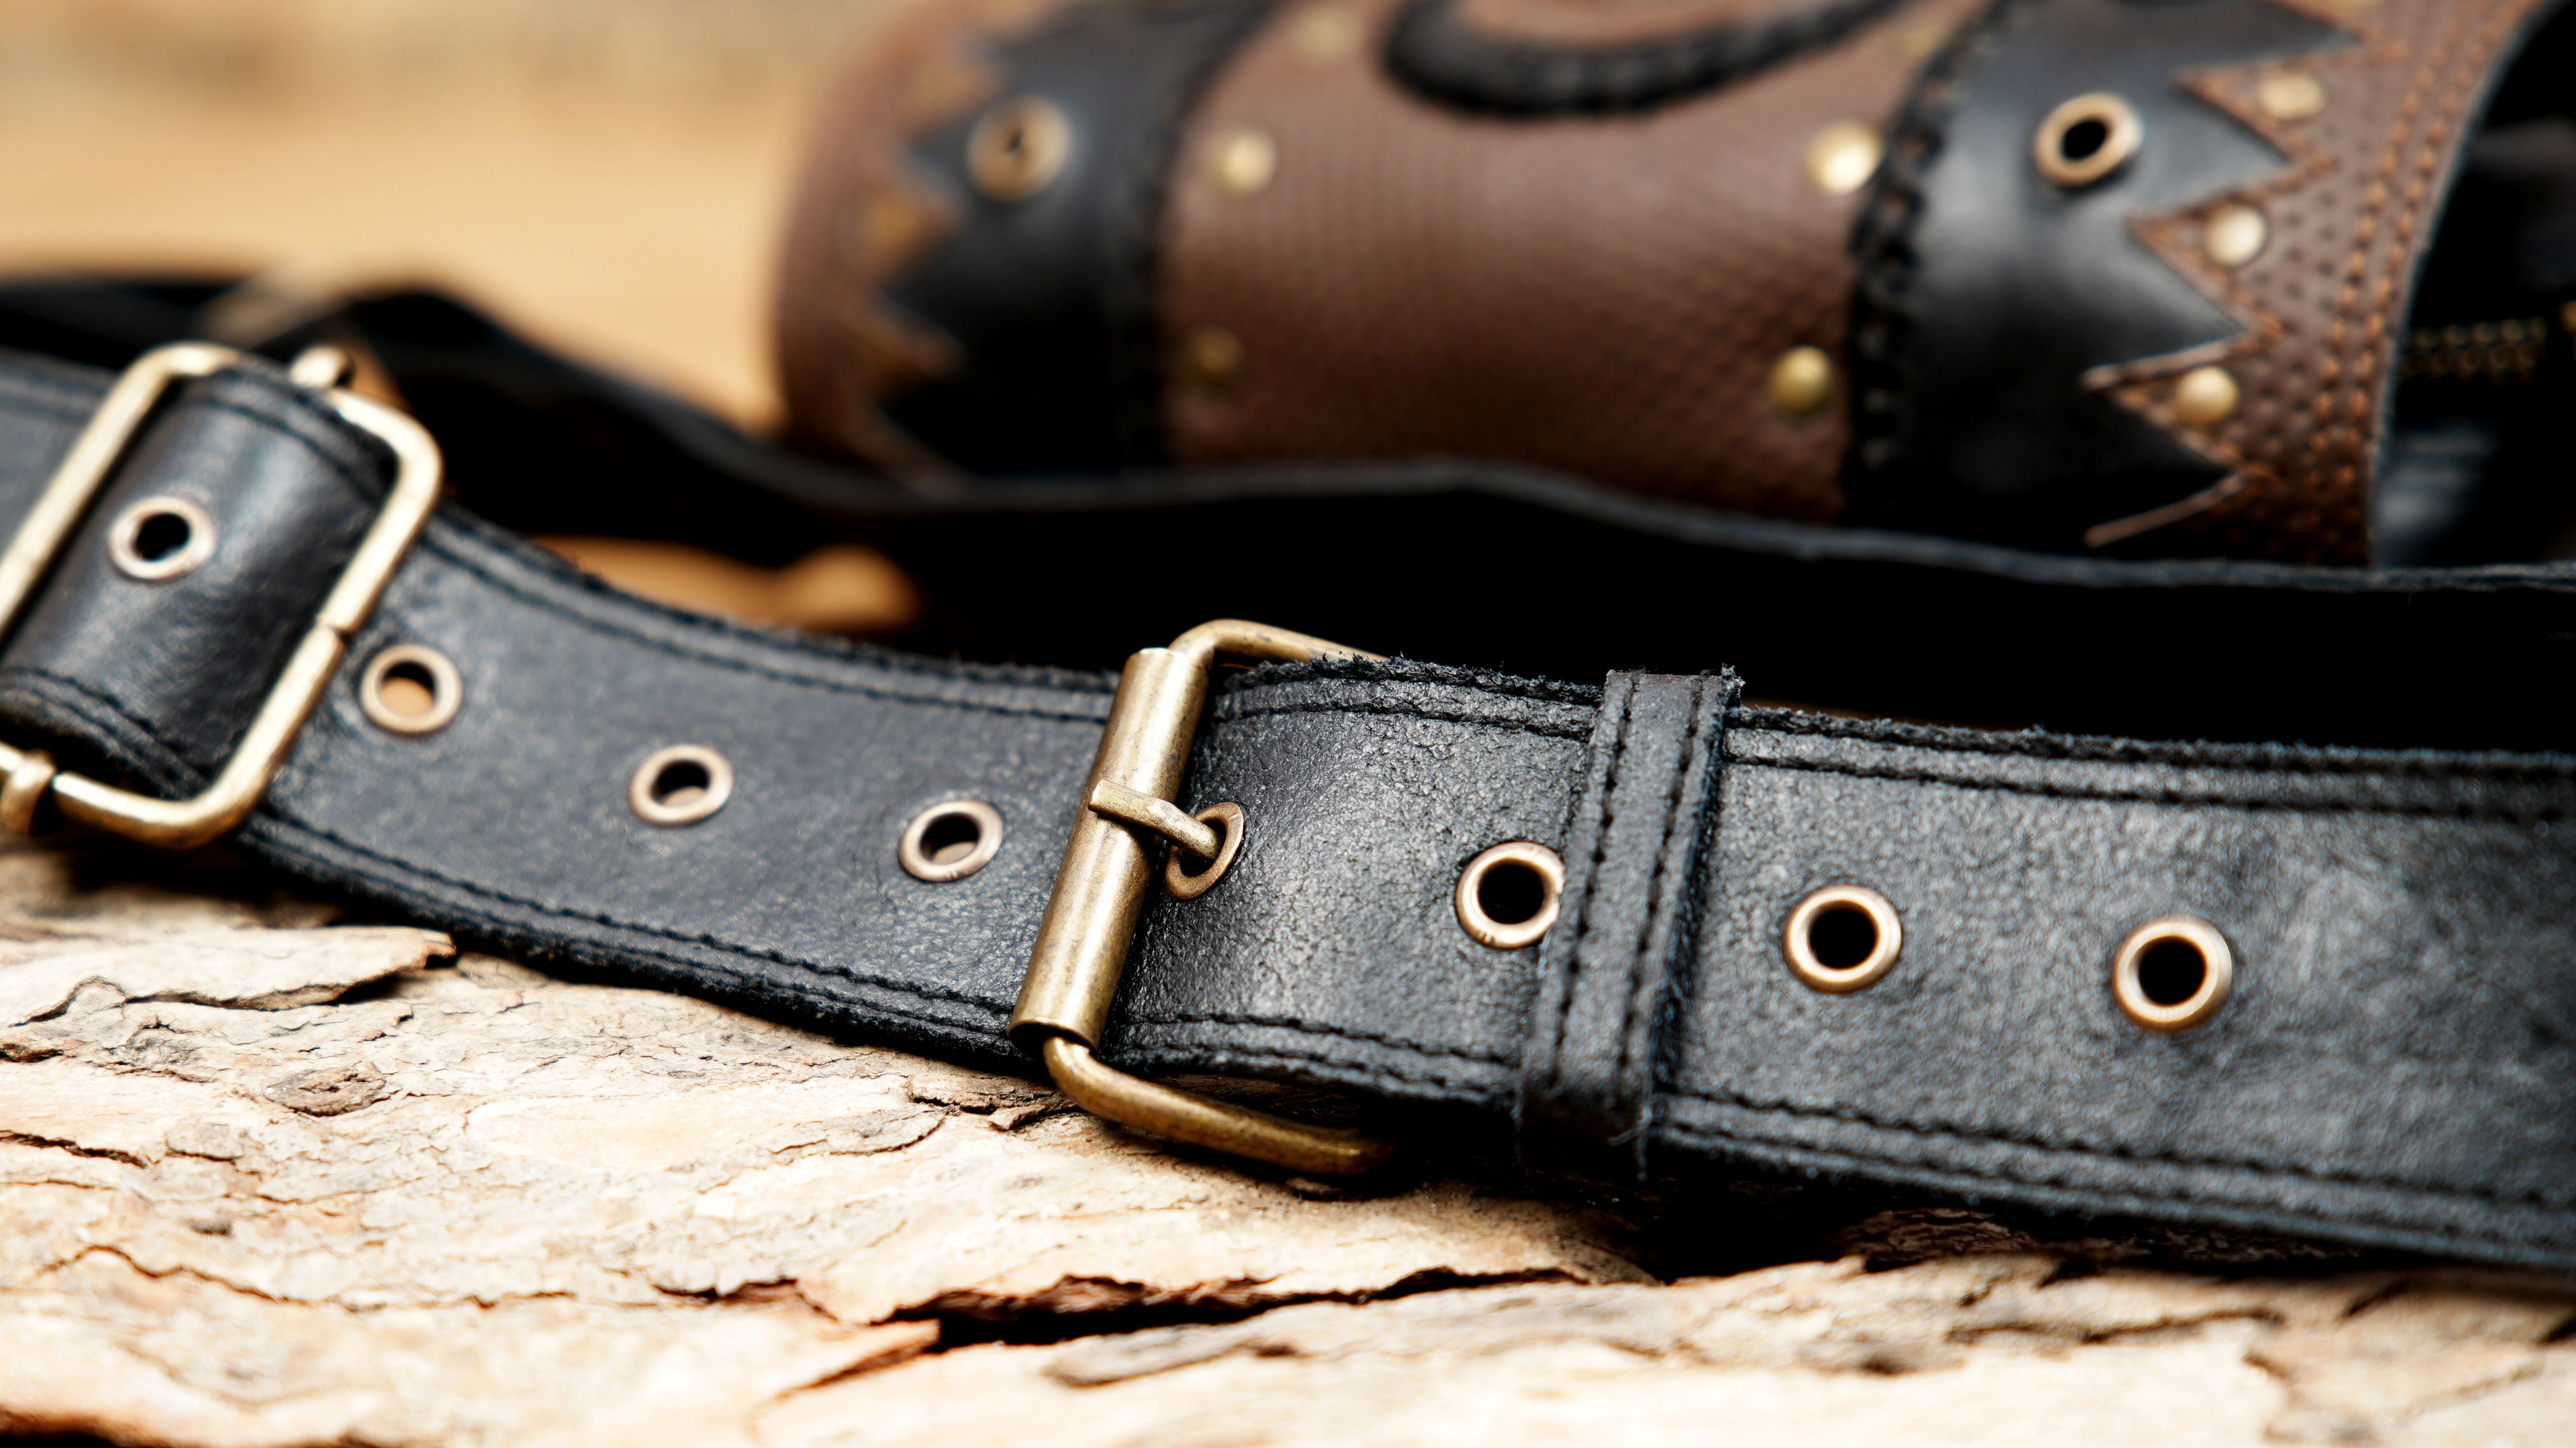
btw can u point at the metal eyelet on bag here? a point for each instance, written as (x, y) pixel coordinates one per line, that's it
(1018, 149)
(950, 841)
(158, 539)
(1508, 896)
(1842, 938)
(2086, 139)
(410, 689)
(2173, 974)
(680, 785)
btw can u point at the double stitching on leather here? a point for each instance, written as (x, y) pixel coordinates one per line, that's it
(1437, 51)
(1606, 976)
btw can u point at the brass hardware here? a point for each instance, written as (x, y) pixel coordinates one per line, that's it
(2234, 235)
(158, 539)
(2206, 396)
(1100, 890)
(2086, 139)
(1802, 381)
(1018, 148)
(1325, 33)
(84, 470)
(1118, 802)
(24, 790)
(1840, 975)
(1842, 157)
(2173, 974)
(680, 785)
(410, 689)
(1228, 817)
(1476, 914)
(936, 848)
(2290, 95)
(1211, 357)
(322, 367)
(1241, 162)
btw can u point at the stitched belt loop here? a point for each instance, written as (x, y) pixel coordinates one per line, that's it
(1628, 925)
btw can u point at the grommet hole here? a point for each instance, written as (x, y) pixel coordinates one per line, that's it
(1191, 867)
(680, 785)
(410, 689)
(1508, 896)
(1511, 893)
(2172, 971)
(159, 539)
(1842, 937)
(2083, 141)
(950, 841)
(950, 838)
(162, 536)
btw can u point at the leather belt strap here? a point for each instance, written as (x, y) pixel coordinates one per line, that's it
(2393, 1068)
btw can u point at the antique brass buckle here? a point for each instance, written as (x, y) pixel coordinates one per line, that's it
(1100, 891)
(237, 788)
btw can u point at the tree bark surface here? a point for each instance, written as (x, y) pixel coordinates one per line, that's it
(266, 1180)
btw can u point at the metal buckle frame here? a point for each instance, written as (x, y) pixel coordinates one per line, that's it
(58, 512)
(1100, 891)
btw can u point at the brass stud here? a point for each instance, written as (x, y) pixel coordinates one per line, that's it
(1018, 148)
(1241, 162)
(680, 785)
(2172, 974)
(1211, 357)
(2206, 396)
(1507, 897)
(1802, 381)
(2086, 139)
(1326, 33)
(2290, 95)
(158, 539)
(1842, 157)
(410, 689)
(1842, 938)
(1228, 821)
(2234, 235)
(950, 841)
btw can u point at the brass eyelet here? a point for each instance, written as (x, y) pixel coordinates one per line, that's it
(680, 785)
(1228, 819)
(1832, 966)
(410, 689)
(1018, 149)
(1518, 878)
(950, 841)
(2173, 974)
(158, 539)
(2086, 139)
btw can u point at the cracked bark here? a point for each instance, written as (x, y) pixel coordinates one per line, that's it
(264, 1180)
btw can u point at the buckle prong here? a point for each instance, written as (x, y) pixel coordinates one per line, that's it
(1100, 892)
(66, 500)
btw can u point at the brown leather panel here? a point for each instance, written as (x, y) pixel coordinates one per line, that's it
(1605, 296)
(2326, 301)
(1613, 22)
(861, 217)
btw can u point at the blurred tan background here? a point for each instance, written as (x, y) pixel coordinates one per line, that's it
(608, 174)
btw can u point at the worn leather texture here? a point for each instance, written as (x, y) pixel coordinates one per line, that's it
(2020, 342)
(2395, 1069)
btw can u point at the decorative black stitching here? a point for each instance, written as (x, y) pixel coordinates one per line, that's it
(2083, 1149)
(1432, 49)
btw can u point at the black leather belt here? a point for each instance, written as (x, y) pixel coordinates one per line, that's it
(2321, 991)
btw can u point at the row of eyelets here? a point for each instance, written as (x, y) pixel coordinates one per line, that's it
(2168, 975)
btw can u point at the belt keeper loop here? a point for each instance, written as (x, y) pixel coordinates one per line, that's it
(1611, 972)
